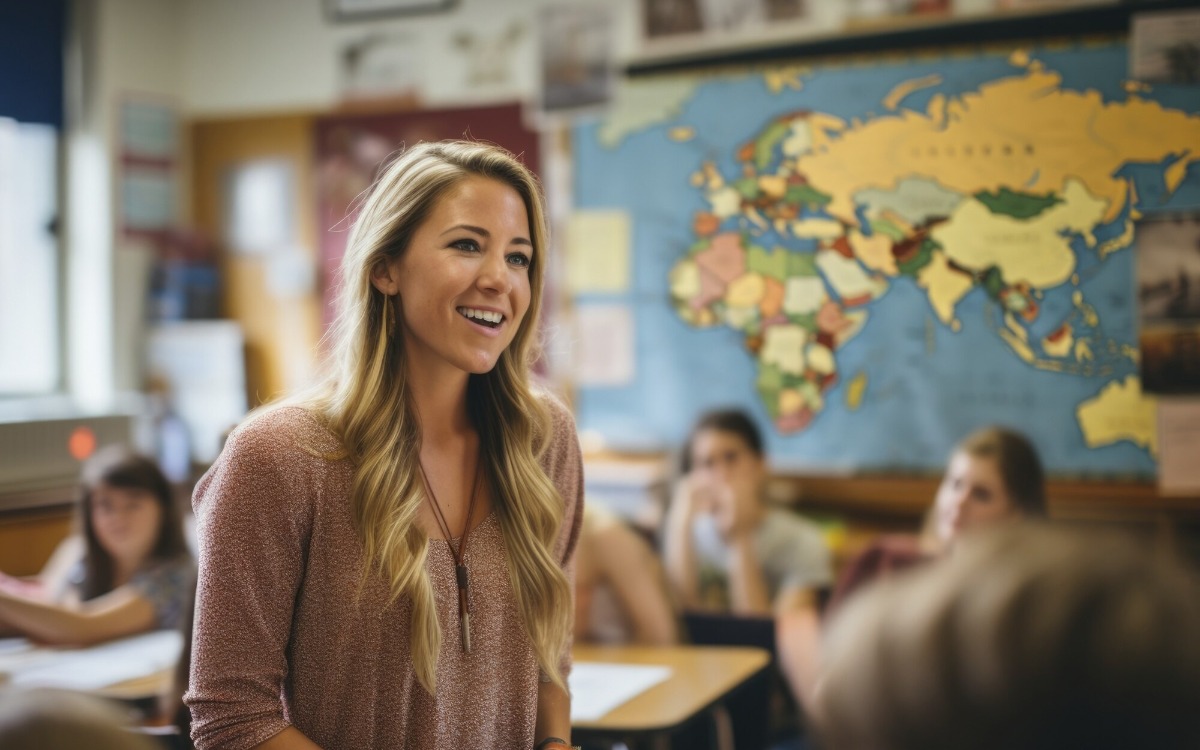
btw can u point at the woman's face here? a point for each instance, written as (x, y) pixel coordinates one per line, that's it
(462, 284)
(972, 494)
(126, 521)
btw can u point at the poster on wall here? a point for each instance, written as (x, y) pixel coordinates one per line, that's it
(148, 143)
(874, 259)
(1168, 279)
(351, 149)
(577, 66)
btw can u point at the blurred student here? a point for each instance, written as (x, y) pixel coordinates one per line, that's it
(127, 573)
(727, 551)
(45, 719)
(620, 591)
(1027, 638)
(994, 475)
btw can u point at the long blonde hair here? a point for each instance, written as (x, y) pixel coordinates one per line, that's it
(365, 402)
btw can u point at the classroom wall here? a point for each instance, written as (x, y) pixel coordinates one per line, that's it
(256, 56)
(129, 47)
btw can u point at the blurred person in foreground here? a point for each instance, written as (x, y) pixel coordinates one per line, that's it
(45, 719)
(1027, 638)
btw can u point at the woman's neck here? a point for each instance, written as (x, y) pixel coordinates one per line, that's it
(440, 404)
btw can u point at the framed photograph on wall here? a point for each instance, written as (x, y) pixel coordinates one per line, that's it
(1168, 294)
(365, 10)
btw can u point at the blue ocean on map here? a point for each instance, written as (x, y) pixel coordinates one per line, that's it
(926, 385)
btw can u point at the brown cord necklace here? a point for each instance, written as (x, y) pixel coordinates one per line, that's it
(461, 578)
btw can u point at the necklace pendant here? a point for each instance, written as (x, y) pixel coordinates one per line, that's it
(463, 579)
(464, 629)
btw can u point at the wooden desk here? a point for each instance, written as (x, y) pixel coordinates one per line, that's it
(700, 677)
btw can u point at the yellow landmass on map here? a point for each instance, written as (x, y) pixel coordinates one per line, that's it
(824, 129)
(945, 288)
(685, 280)
(1090, 317)
(1006, 134)
(1060, 347)
(856, 391)
(682, 134)
(825, 229)
(742, 299)
(1120, 242)
(848, 278)
(1120, 412)
(803, 295)
(783, 346)
(1015, 327)
(790, 401)
(875, 251)
(820, 359)
(1019, 346)
(1083, 351)
(1032, 250)
(745, 291)
(788, 77)
(892, 101)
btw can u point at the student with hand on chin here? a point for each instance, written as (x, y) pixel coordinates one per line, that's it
(725, 549)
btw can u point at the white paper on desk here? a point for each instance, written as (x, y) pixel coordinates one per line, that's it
(97, 666)
(598, 688)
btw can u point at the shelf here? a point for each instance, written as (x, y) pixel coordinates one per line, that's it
(914, 33)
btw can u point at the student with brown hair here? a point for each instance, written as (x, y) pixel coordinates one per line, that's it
(994, 475)
(1029, 637)
(385, 562)
(128, 572)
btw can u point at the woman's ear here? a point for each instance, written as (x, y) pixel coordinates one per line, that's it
(383, 277)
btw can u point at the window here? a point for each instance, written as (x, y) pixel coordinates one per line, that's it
(29, 262)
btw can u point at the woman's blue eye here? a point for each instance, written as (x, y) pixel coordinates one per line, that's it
(519, 259)
(466, 245)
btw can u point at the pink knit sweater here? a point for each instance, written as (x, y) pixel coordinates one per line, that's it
(280, 639)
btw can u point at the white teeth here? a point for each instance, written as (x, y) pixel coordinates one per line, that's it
(490, 317)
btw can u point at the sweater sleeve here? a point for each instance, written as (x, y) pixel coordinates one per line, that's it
(253, 511)
(565, 469)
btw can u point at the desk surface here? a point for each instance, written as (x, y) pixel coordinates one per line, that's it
(700, 676)
(137, 667)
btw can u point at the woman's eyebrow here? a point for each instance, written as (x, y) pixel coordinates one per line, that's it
(485, 233)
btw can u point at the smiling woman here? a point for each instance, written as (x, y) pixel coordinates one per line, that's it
(384, 561)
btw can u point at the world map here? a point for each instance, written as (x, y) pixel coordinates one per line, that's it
(893, 253)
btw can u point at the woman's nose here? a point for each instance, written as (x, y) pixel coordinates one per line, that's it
(493, 274)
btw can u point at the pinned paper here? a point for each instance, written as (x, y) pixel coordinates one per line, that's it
(1178, 446)
(603, 345)
(598, 251)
